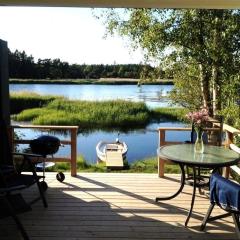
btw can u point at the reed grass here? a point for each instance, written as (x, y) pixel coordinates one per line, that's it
(20, 101)
(175, 113)
(87, 114)
(56, 110)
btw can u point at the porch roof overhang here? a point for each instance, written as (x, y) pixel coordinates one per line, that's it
(206, 4)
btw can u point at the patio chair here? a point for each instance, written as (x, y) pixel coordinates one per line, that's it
(10, 175)
(14, 178)
(225, 194)
(11, 205)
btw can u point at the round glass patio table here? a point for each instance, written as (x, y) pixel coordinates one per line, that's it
(213, 157)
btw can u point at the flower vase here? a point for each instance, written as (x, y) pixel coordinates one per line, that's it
(199, 146)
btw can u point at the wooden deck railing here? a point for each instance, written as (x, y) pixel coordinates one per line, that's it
(72, 159)
(230, 133)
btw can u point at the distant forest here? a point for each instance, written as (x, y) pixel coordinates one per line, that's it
(22, 66)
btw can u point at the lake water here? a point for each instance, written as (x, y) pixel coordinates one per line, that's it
(152, 95)
(142, 143)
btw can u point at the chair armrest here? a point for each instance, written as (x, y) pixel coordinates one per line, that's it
(234, 148)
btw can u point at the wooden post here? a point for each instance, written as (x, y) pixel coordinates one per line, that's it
(226, 170)
(160, 161)
(74, 152)
(4, 104)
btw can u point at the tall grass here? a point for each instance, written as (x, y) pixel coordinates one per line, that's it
(87, 114)
(56, 110)
(20, 101)
(177, 114)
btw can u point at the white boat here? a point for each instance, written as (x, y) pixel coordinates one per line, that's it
(103, 147)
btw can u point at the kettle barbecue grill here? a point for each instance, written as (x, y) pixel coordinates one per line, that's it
(46, 145)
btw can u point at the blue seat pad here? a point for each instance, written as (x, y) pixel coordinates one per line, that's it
(224, 193)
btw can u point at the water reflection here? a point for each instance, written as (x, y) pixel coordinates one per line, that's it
(152, 95)
(142, 143)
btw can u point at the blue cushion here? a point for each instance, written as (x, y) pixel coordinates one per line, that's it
(225, 193)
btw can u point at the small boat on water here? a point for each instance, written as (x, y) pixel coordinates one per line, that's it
(103, 148)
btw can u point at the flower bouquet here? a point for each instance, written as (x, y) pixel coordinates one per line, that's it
(199, 120)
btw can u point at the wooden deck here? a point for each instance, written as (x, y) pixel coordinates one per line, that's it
(115, 206)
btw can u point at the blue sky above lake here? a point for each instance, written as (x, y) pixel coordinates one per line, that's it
(71, 34)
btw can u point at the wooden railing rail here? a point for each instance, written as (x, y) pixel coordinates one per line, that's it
(72, 159)
(230, 133)
(162, 141)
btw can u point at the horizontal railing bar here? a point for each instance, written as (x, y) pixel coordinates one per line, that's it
(185, 129)
(48, 159)
(168, 142)
(174, 129)
(45, 127)
(58, 159)
(27, 141)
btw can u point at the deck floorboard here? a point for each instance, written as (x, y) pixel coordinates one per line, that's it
(96, 206)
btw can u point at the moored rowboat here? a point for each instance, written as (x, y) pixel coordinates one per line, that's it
(103, 147)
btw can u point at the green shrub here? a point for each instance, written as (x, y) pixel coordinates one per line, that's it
(232, 115)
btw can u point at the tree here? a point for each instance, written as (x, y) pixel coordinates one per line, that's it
(198, 45)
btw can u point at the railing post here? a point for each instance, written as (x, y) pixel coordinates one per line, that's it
(160, 161)
(226, 170)
(73, 152)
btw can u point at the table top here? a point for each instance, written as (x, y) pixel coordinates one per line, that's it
(213, 156)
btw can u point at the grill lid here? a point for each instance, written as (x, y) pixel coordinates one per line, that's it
(45, 145)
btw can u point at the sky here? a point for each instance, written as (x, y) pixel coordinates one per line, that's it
(71, 34)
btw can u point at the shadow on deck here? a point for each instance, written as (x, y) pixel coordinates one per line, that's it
(115, 206)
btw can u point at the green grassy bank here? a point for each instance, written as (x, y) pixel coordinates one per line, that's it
(54, 110)
(103, 81)
(148, 165)
(20, 101)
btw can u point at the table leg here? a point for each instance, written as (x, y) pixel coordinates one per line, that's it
(180, 188)
(193, 196)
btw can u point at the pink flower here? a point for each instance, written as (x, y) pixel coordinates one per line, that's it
(198, 118)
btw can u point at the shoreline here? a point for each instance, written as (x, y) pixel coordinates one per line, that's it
(101, 81)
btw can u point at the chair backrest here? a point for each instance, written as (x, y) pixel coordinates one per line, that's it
(216, 137)
(225, 193)
(213, 137)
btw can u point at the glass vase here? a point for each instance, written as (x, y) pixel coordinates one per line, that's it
(199, 146)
